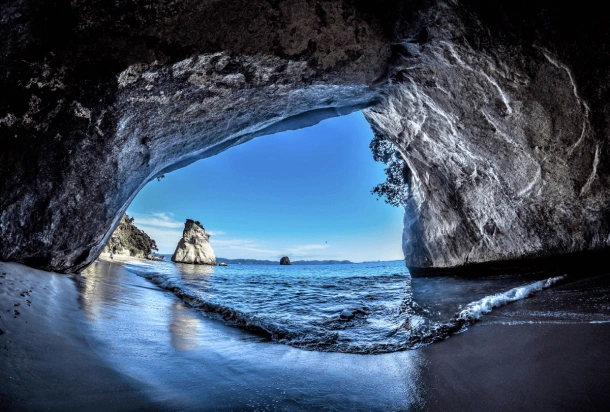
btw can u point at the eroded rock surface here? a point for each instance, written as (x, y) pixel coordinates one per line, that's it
(501, 120)
(99, 98)
(194, 247)
(499, 108)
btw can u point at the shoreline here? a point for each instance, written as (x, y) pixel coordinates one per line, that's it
(45, 359)
(105, 257)
(115, 341)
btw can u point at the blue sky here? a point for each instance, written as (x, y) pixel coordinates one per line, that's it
(303, 193)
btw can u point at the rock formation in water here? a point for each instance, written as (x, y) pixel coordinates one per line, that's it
(194, 247)
(285, 260)
(499, 108)
(128, 240)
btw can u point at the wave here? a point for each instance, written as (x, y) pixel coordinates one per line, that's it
(229, 315)
(413, 329)
(474, 310)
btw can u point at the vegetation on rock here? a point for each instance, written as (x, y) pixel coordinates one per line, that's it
(196, 222)
(395, 188)
(127, 239)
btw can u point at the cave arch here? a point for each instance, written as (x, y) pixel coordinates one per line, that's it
(499, 109)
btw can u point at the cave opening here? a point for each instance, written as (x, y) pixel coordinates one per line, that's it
(303, 193)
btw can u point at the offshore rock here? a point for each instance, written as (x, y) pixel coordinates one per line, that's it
(194, 247)
(285, 260)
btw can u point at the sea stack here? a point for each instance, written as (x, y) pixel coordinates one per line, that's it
(194, 247)
(285, 261)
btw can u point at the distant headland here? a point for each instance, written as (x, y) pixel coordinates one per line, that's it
(275, 262)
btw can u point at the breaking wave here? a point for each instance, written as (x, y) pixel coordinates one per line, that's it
(346, 308)
(475, 310)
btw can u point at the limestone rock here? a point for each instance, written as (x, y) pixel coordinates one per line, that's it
(99, 100)
(504, 135)
(129, 240)
(194, 247)
(285, 261)
(500, 108)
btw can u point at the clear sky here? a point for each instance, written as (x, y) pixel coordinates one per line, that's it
(304, 193)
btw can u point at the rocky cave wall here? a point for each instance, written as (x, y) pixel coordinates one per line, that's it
(500, 110)
(501, 115)
(100, 97)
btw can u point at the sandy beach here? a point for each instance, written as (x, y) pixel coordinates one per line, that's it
(46, 362)
(113, 341)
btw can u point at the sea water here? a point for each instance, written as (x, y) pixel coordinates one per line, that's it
(372, 307)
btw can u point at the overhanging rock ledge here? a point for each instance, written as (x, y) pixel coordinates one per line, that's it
(500, 110)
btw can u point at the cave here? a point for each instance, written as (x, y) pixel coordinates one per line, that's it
(499, 109)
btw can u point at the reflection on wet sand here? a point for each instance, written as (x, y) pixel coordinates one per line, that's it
(189, 362)
(185, 328)
(100, 285)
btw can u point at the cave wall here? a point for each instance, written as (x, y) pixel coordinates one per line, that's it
(100, 97)
(498, 108)
(501, 114)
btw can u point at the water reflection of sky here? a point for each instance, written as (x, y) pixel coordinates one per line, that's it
(185, 328)
(100, 285)
(109, 294)
(190, 362)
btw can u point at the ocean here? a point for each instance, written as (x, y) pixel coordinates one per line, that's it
(372, 308)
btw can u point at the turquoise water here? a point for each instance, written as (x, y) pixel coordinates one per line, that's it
(369, 307)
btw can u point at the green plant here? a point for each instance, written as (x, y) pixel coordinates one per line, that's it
(395, 188)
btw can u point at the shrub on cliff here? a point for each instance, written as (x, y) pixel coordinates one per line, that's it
(395, 188)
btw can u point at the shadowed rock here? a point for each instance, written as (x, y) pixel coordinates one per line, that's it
(500, 110)
(285, 260)
(500, 119)
(128, 240)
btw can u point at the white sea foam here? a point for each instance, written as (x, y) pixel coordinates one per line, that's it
(475, 310)
(304, 307)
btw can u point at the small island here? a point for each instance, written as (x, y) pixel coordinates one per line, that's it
(194, 247)
(285, 261)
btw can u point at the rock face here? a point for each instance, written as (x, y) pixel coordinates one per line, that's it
(128, 240)
(503, 128)
(100, 98)
(500, 109)
(285, 261)
(194, 247)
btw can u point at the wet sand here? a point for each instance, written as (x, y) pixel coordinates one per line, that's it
(116, 342)
(557, 367)
(45, 360)
(116, 258)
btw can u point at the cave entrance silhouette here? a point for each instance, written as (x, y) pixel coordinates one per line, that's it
(304, 193)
